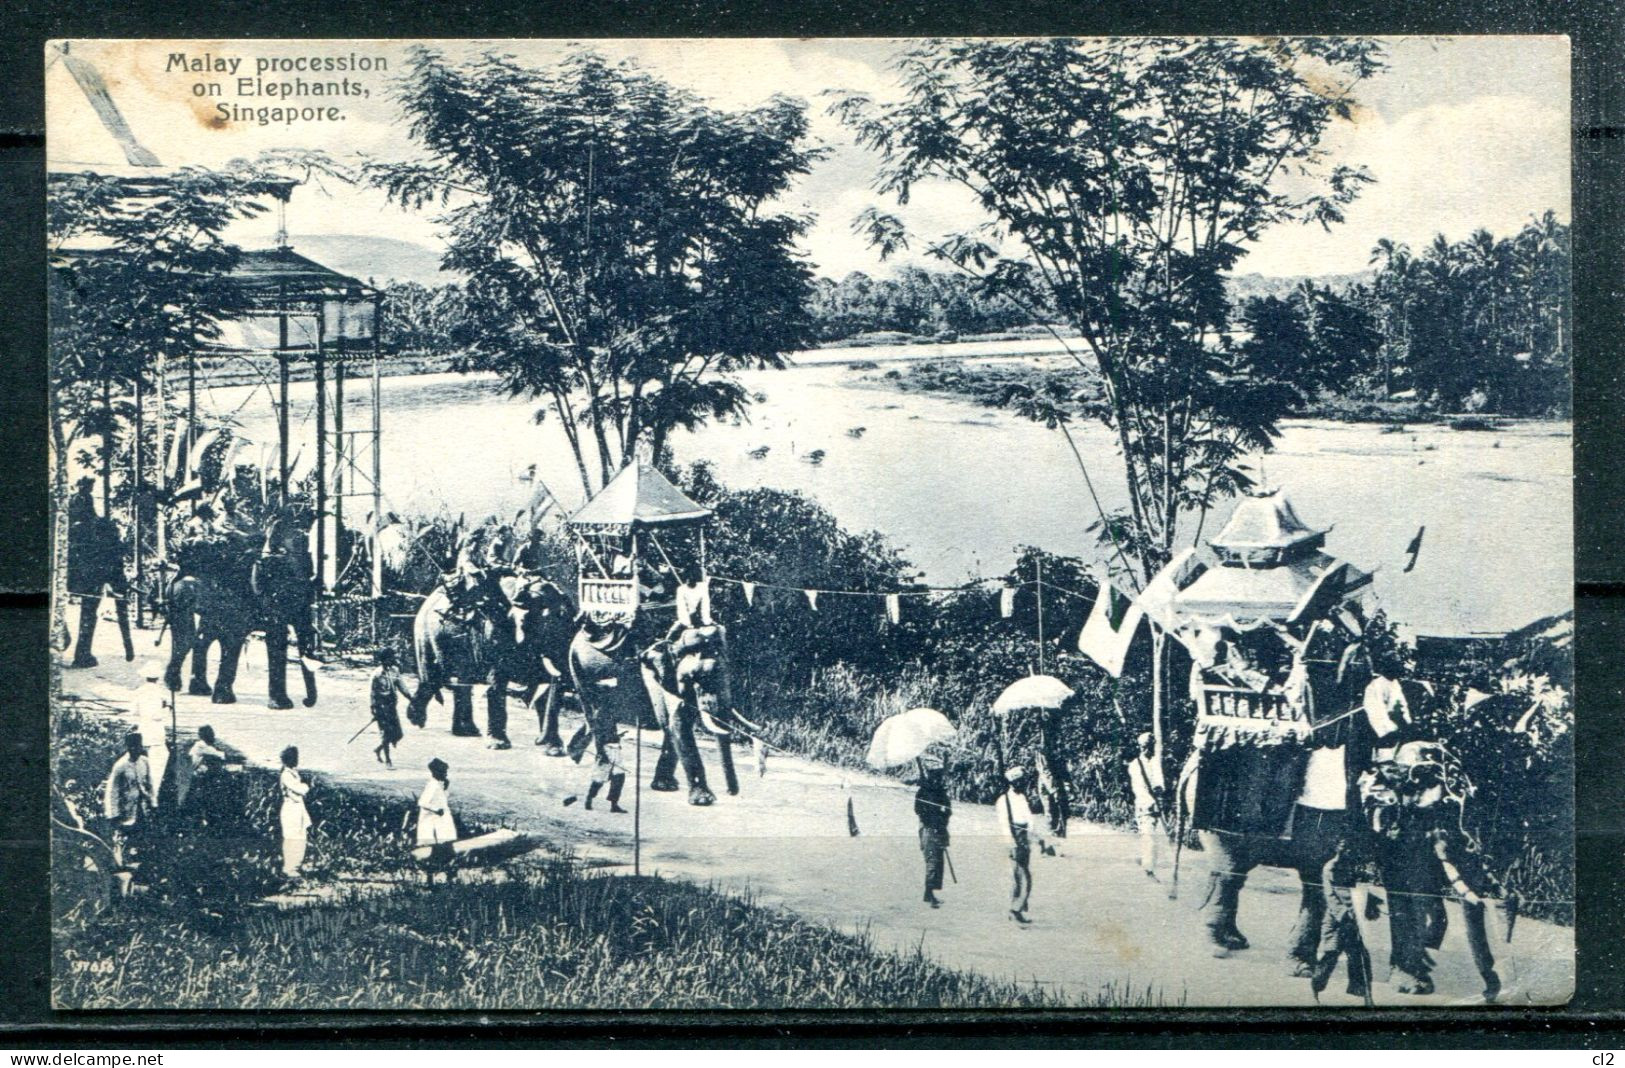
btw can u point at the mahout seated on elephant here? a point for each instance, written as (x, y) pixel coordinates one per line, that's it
(232, 579)
(499, 626)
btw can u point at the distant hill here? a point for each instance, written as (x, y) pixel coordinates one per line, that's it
(382, 259)
(1243, 286)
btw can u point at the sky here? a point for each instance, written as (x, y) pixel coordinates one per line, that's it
(1459, 132)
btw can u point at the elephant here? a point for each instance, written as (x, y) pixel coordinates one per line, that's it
(615, 685)
(224, 593)
(1288, 803)
(686, 678)
(507, 627)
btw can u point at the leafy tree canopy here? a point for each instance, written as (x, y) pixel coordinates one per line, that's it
(1122, 179)
(618, 236)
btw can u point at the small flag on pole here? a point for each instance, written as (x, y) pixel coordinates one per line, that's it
(851, 818)
(894, 608)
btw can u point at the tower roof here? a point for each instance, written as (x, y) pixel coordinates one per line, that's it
(1265, 523)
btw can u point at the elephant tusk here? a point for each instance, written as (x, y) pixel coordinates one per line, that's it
(713, 726)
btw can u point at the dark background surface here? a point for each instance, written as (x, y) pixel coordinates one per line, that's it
(1598, 33)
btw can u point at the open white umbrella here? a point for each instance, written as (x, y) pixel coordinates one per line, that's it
(1042, 693)
(901, 738)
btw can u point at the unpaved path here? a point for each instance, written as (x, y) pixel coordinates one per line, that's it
(1097, 920)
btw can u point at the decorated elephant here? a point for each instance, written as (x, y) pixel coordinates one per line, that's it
(681, 678)
(499, 627)
(1271, 782)
(231, 584)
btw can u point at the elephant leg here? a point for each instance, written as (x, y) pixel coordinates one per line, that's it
(462, 715)
(665, 778)
(688, 751)
(121, 612)
(1230, 859)
(417, 709)
(178, 648)
(547, 719)
(1478, 940)
(496, 712)
(305, 635)
(199, 686)
(1316, 834)
(231, 649)
(87, 632)
(276, 667)
(725, 747)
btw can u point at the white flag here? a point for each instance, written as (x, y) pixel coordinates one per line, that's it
(812, 599)
(894, 608)
(1157, 599)
(750, 591)
(1109, 630)
(1007, 602)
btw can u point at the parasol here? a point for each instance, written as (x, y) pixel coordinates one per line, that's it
(1044, 693)
(901, 738)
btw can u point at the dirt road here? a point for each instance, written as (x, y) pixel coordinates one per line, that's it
(1098, 921)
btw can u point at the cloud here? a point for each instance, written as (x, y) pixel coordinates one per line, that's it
(1464, 132)
(1492, 161)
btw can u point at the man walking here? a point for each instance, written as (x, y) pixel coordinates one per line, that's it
(933, 808)
(1147, 785)
(1015, 816)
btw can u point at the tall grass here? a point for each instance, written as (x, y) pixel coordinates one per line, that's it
(559, 939)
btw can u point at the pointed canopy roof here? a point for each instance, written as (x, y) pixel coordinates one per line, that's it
(640, 495)
(1265, 523)
(1308, 587)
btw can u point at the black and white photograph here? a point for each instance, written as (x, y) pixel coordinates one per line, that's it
(824, 523)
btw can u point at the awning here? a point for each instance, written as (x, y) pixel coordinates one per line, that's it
(1247, 595)
(638, 495)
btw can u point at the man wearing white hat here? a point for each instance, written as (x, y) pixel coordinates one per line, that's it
(152, 710)
(1147, 785)
(1015, 817)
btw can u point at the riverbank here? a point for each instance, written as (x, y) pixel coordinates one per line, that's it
(1099, 924)
(990, 382)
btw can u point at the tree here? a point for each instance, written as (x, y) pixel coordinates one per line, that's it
(617, 236)
(139, 274)
(1479, 323)
(1122, 179)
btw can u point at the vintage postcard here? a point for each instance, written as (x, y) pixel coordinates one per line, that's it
(672, 524)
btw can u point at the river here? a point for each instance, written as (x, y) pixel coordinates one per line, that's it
(959, 486)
